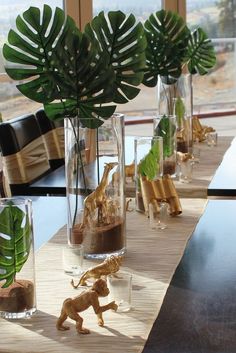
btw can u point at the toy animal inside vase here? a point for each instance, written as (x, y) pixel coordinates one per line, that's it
(96, 201)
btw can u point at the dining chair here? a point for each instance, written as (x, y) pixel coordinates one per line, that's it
(24, 156)
(53, 137)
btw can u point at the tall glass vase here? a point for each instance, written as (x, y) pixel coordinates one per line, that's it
(94, 160)
(176, 99)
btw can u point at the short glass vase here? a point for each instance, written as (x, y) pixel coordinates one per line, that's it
(17, 265)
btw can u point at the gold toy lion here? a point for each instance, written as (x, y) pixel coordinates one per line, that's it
(110, 265)
(89, 297)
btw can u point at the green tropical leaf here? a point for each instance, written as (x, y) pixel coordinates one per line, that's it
(60, 65)
(124, 42)
(166, 129)
(179, 110)
(89, 115)
(167, 38)
(90, 81)
(15, 242)
(32, 51)
(200, 55)
(171, 45)
(149, 165)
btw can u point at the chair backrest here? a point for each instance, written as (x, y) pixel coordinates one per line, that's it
(24, 155)
(53, 136)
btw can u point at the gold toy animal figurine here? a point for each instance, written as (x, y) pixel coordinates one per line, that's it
(129, 170)
(129, 173)
(183, 157)
(200, 131)
(110, 265)
(97, 198)
(71, 307)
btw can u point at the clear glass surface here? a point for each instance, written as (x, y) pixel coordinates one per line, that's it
(94, 162)
(17, 288)
(120, 287)
(158, 217)
(72, 259)
(211, 138)
(186, 171)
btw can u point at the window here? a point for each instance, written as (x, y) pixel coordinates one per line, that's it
(145, 103)
(141, 9)
(215, 92)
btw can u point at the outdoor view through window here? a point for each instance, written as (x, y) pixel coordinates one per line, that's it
(214, 92)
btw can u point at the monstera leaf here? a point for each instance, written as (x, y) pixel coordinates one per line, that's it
(171, 46)
(89, 85)
(167, 38)
(179, 111)
(15, 242)
(166, 129)
(124, 42)
(32, 49)
(149, 165)
(200, 55)
(59, 64)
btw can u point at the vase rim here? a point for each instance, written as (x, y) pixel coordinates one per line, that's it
(16, 201)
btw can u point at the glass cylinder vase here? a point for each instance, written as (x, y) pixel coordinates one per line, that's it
(17, 265)
(175, 98)
(148, 152)
(165, 126)
(94, 160)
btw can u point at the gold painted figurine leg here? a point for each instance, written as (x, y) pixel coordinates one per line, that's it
(60, 321)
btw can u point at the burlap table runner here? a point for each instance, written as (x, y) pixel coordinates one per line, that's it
(152, 257)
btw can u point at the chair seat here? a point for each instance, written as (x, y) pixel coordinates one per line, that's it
(24, 154)
(53, 137)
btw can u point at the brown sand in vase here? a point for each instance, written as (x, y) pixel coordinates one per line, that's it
(77, 234)
(16, 298)
(105, 238)
(182, 146)
(169, 167)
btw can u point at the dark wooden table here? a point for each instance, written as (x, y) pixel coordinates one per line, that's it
(199, 309)
(223, 183)
(52, 183)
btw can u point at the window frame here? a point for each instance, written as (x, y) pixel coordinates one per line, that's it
(82, 10)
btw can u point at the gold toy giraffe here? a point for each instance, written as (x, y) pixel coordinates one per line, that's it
(97, 198)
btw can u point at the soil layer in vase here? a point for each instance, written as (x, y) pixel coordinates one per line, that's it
(169, 167)
(182, 146)
(77, 234)
(18, 297)
(102, 239)
(106, 239)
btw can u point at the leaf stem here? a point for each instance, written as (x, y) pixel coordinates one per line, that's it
(79, 163)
